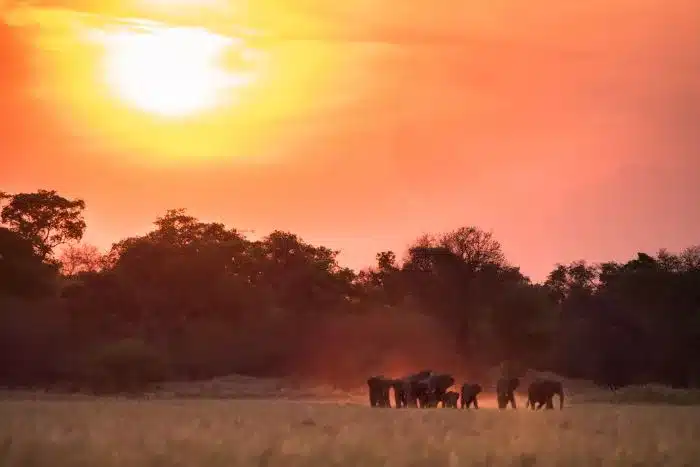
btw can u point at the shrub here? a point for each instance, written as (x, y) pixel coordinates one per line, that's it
(128, 365)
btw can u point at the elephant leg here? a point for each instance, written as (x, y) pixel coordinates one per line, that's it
(440, 398)
(373, 397)
(501, 400)
(401, 401)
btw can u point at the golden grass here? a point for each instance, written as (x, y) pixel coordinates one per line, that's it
(110, 432)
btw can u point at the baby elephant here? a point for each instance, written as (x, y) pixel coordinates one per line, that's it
(469, 393)
(541, 392)
(450, 399)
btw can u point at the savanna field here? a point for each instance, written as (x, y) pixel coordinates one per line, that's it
(197, 432)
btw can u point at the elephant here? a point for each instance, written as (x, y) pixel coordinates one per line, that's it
(411, 394)
(420, 393)
(542, 392)
(421, 375)
(450, 399)
(439, 384)
(402, 392)
(505, 392)
(379, 391)
(430, 391)
(429, 401)
(468, 395)
(415, 388)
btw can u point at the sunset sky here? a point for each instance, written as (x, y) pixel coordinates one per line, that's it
(569, 128)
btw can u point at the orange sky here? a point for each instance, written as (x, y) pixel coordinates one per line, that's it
(569, 128)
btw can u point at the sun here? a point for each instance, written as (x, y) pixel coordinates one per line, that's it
(169, 71)
(159, 93)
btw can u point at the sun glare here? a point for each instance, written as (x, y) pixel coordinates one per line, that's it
(163, 94)
(169, 71)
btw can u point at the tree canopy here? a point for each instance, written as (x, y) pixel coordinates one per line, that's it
(193, 299)
(44, 218)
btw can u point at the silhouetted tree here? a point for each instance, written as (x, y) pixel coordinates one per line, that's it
(44, 218)
(195, 299)
(22, 272)
(80, 258)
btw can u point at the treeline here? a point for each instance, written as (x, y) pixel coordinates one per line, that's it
(192, 300)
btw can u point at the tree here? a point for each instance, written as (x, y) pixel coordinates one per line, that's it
(382, 283)
(462, 278)
(576, 278)
(76, 259)
(22, 273)
(476, 247)
(386, 261)
(44, 218)
(185, 268)
(304, 277)
(690, 258)
(470, 247)
(200, 300)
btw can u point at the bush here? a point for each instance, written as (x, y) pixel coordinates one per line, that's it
(128, 365)
(31, 330)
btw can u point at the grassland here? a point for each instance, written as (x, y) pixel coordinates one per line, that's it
(212, 433)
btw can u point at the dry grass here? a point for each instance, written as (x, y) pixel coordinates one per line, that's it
(110, 432)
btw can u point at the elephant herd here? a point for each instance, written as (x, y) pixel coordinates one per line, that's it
(429, 389)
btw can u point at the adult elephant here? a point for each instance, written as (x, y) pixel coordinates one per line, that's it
(469, 393)
(440, 383)
(402, 392)
(450, 399)
(542, 392)
(505, 392)
(416, 386)
(379, 391)
(431, 391)
(420, 393)
(419, 376)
